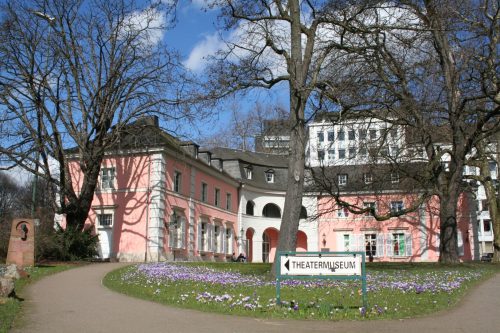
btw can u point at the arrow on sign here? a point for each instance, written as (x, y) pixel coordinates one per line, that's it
(287, 264)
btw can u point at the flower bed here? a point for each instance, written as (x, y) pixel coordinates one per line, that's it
(391, 293)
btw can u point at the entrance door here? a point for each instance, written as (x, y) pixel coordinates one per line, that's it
(105, 232)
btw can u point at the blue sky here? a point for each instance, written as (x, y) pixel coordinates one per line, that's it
(195, 35)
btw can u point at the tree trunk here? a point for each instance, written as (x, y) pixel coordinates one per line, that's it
(448, 246)
(295, 180)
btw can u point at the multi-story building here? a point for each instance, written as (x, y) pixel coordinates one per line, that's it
(164, 199)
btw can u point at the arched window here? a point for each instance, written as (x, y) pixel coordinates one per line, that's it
(303, 212)
(250, 206)
(271, 210)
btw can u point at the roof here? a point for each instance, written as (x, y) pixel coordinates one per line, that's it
(253, 158)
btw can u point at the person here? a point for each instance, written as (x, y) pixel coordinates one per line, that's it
(241, 258)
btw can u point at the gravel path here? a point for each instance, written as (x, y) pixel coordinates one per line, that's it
(76, 301)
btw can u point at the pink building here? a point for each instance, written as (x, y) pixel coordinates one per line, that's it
(159, 200)
(163, 199)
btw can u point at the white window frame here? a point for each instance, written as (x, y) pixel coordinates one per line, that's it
(229, 201)
(217, 197)
(177, 231)
(342, 179)
(394, 177)
(177, 182)
(270, 176)
(204, 192)
(342, 152)
(370, 204)
(368, 178)
(342, 212)
(106, 214)
(397, 206)
(108, 176)
(331, 154)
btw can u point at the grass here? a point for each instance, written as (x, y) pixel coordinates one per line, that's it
(394, 290)
(12, 307)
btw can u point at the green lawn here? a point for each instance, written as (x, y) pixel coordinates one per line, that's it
(394, 290)
(12, 307)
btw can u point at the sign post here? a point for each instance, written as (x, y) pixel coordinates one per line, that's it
(320, 265)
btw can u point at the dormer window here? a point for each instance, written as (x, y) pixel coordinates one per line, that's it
(368, 178)
(342, 179)
(248, 172)
(394, 177)
(270, 176)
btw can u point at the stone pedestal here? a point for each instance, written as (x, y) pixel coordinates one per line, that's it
(22, 243)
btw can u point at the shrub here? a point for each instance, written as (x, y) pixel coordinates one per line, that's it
(68, 245)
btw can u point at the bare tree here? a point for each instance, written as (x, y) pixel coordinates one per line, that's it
(73, 74)
(432, 67)
(244, 128)
(277, 42)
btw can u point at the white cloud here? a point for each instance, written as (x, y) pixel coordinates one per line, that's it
(149, 23)
(207, 47)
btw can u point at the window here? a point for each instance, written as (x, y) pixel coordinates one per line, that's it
(350, 135)
(341, 135)
(343, 212)
(394, 177)
(396, 206)
(371, 206)
(373, 134)
(321, 136)
(394, 151)
(362, 134)
(270, 176)
(204, 192)
(363, 152)
(342, 179)
(341, 154)
(229, 200)
(384, 151)
(352, 152)
(105, 220)
(177, 181)
(331, 154)
(393, 133)
(399, 244)
(321, 155)
(347, 242)
(250, 206)
(229, 240)
(368, 178)
(484, 205)
(107, 178)
(203, 232)
(271, 210)
(217, 197)
(248, 172)
(176, 231)
(371, 245)
(217, 234)
(492, 165)
(331, 136)
(487, 226)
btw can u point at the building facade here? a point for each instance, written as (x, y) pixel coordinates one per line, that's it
(163, 199)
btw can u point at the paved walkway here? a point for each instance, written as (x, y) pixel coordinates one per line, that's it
(76, 301)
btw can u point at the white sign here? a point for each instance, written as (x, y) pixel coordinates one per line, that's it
(321, 265)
